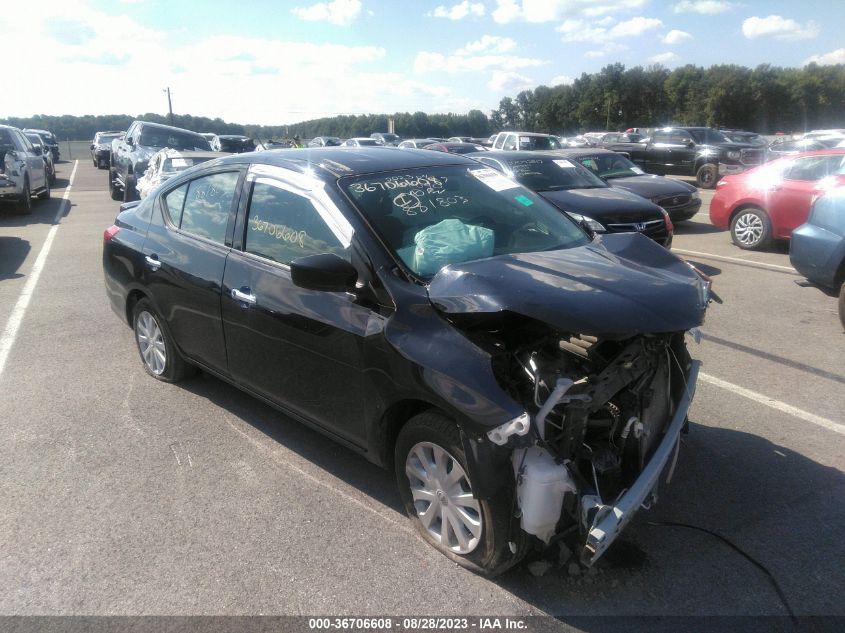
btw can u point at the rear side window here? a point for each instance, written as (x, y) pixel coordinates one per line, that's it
(206, 205)
(510, 142)
(174, 201)
(811, 168)
(283, 225)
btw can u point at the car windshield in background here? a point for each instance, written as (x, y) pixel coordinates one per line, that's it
(163, 138)
(233, 144)
(552, 174)
(437, 216)
(610, 166)
(709, 136)
(538, 143)
(181, 164)
(108, 138)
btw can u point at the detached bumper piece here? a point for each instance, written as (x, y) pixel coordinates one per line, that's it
(610, 520)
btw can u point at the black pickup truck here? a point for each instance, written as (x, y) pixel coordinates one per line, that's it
(701, 152)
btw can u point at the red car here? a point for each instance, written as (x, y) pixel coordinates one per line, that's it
(768, 202)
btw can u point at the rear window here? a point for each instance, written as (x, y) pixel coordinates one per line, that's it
(157, 137)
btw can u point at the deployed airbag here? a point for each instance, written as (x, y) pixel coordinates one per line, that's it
(447, 242)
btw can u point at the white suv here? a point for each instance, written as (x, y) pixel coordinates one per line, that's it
(527, 141)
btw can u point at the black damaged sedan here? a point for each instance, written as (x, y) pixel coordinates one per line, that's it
(525, 381)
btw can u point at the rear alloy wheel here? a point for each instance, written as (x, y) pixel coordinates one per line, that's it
(158, 353)
(116, 194)
(479, 534)
(24, 205)
(842, 304)
(751, 229)
(706, 176)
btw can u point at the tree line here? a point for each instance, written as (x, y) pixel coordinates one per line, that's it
(765, 99)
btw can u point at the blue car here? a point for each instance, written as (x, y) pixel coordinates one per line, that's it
(817, 248)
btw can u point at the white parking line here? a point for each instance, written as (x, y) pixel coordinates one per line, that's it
(10, 332)
(830, 425)
(736, 260)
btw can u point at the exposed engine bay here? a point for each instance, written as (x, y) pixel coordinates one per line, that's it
(597, 410)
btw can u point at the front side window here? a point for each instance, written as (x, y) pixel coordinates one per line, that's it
(510, 142)
(208, 202)
(283, 225)
(810, 169)
(436, 216)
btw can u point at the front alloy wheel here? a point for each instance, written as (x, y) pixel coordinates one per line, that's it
(750, 229)
(443, 498)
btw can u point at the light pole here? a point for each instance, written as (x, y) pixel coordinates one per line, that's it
(169, 105)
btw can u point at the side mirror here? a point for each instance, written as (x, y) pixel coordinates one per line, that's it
(129, 141)
(92, 146)
(690, 144)
(326, 272)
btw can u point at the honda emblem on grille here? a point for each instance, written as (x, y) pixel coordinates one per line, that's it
(675, 201)
(640, 226)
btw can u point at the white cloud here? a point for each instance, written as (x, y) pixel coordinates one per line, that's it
(676, 37)
(565, 80)
(460, 11)
(779, 28)
(663, 58)
(827, 59)
(582, 31)
(704, 7)
(539, 11)
(611, 48)
(340, 12)
(510, 82)
(428, 62)
(488, 44)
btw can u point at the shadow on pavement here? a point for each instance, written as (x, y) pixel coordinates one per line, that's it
(696, 228)
(786, 511)
(13, 252)
(43, 212)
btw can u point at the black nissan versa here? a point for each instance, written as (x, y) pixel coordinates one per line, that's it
(525, 381)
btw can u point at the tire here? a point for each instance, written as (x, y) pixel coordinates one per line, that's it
(706, 176)
(751, 229)
(45, 195)
(53, 176)
(158, 352)
(24, 205)
(842, 304)
(116, 194)
(129, 191)
(484, 536)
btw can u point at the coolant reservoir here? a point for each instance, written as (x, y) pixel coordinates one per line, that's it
(542, 484)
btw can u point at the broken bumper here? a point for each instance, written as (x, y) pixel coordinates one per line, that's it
(610, 520)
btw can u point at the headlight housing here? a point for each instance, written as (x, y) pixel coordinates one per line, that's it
(695, 195)
(733, 155)
(592, 224)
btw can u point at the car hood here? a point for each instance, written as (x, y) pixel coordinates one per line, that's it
(617, 286)
(610, 205)
(650, 186)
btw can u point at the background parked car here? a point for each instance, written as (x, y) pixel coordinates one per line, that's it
(324, 141)
(232, 143)
(50, 138)
(741, 136)
(769, 202)
(360, 141)
(525, 141)
(386, 138)
(679, 199)
(817, 248)
(22, 171)
(41, 148)
(457, 148)
(167, 163)
(101, 148)
(131, 154)
(416, 143)
(791, 147)
(582, 195)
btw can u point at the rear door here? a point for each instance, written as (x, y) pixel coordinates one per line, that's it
(301, 349)
(184, 258)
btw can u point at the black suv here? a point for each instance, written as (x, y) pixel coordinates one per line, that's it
(521, 379)
(50, 140)
(131, 154)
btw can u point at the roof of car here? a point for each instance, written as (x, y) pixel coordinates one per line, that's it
(577, 152)
(237, 136)
(169, 152)
(524, 133)
(167, 127)
(350, 161)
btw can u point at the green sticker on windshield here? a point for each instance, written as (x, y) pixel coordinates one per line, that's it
(524, 200)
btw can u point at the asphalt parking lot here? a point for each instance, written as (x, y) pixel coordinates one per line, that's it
(122, 495)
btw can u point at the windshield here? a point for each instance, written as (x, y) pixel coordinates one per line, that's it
(107, 138)
(34, 139)
(236, 144)
(437, 216)
(156, 137)
(610, 166)
(549, 174)
(709, 136)
(539, 143)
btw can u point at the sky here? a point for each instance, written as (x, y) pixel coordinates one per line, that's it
(274, 62)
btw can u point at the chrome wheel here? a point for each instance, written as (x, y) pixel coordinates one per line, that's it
(748, 229)
(442, 498)
(151, 343)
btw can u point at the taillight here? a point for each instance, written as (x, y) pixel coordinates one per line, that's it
(110, 232)
(669, 226)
